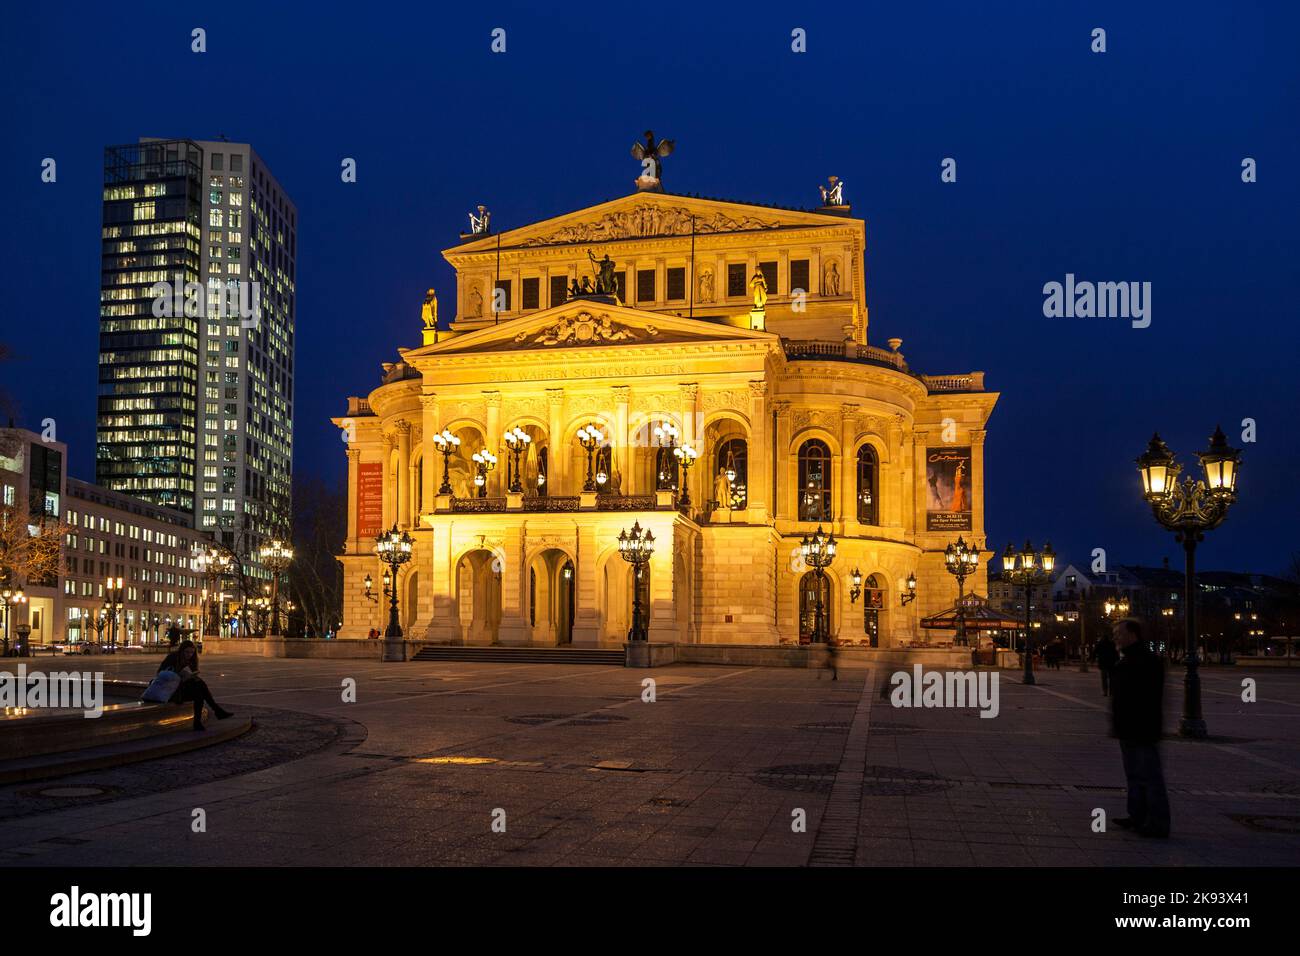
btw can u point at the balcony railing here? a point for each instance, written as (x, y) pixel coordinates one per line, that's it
(812, 350)
(625, 503)
(478, 505)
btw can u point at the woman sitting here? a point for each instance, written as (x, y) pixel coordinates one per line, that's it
(185, 662)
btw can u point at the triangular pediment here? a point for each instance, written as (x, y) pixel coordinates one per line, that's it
(648, 215)
(587, 324)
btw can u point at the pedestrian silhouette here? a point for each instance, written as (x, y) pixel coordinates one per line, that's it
(1137, 686)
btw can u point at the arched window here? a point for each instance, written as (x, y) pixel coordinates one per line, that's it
(542, 457)
(873, 603)
(814, 608)
(605, 470)
(868, 485)
(731, 480)
(665, 470)
(814, 481)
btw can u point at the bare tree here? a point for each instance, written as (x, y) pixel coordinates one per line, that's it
(30, 551)
(315, 576)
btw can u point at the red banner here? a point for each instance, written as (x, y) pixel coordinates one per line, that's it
(370, 500)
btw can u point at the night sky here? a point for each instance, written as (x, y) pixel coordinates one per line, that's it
(1117, 166)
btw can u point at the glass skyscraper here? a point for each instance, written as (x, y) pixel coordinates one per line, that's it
(196, 389)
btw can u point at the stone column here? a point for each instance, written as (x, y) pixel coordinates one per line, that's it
(622, 440)
(690, 397)
(402, 474)
(354, 460)
(513, 628)
(815, 269)
(895, 493)
(555, 455)
(759, 490)
(920, 493)
(493, 438)
(432, 425)
(977, 436)
(389, 489)
(848, 467)
(783, 495)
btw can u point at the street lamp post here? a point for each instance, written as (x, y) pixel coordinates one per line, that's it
(212, 562)
(113, 595)
(9, 599)
(636, 547)
(447, 443)
(589, 437)
(666, 435)
(1189, 509)
(818, 552)
(961, 560)
(516, 441)
(1029, 569)
(393, 547)
(685, 456)
(486, 462)
(276, 555)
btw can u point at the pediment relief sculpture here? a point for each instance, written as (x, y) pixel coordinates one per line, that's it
(585, 329)
(648, 219)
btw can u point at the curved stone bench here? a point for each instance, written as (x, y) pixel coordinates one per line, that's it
(35, 745)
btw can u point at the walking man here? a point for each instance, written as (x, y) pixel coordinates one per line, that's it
(1138, 684)
(1106, 656)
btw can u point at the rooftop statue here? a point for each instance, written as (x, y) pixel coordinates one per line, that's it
(480, 225)
(606, 284)
(429, 311)
(834, 196)
(649, 155)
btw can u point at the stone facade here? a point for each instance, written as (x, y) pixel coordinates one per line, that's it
(816, 427)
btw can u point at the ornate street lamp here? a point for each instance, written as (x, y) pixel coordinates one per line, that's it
(636, 547)
(9, 599)
(818, 552)
(394, 549)
(590, 437)
(276, 555)
(486, 462)
(908, 596)
(113, 597)
(855, 586)
(685, 456)
(961, 560)
(517, 440)
(211, 561)
(666, 434)
(447, 443)
(367, 586)
(1189, 509)
(1029, 569)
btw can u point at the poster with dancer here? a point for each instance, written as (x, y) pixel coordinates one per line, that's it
(948, 489)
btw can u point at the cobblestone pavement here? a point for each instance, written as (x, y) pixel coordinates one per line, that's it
(717, 770)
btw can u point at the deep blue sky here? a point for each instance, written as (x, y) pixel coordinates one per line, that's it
(1120, 166)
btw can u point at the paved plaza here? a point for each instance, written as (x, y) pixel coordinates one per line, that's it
(715, 771)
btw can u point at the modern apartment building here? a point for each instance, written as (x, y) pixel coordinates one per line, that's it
(105, 534)
(196, 403)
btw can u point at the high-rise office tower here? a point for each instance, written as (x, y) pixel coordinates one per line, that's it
(196, 375)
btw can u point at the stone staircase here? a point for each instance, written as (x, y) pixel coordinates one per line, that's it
(498, 654)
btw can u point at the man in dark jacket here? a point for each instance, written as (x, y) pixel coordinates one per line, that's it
(1137, 684)
(1106, 656)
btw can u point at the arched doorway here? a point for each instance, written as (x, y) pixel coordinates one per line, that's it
(460, 466)
(410, 603)
(616, 590)
(551, 597)
(814, 628)
(478, 597)
(873, 609)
